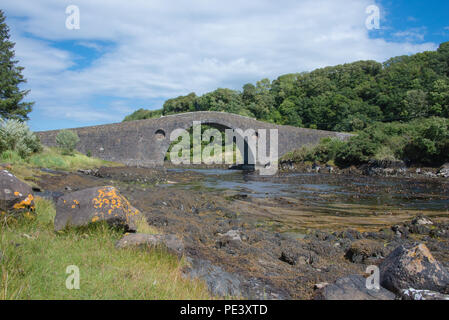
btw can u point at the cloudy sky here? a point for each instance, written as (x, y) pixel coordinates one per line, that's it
(137, 53)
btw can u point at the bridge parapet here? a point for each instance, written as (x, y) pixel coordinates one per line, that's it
(145, 142)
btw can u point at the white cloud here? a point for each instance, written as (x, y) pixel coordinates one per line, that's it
(411, 34)
(165, 48)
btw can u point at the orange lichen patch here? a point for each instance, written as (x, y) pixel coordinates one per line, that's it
(73, 206)
(95, 219)
(109, 199)
(17, 193)
(24, 203)
(76, 202)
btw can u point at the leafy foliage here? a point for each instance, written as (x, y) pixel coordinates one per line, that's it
(421, 141)
(15, 136)
(67, 141)
(143, 114)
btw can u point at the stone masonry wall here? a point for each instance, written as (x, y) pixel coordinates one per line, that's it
(142, 142)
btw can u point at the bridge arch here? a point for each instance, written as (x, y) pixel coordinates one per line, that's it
(245, 150)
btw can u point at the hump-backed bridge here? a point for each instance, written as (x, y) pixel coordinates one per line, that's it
(145, 142)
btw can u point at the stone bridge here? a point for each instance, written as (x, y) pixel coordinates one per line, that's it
(145, 142)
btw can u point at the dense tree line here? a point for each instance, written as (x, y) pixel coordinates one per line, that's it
(420, 141)
(346, 97)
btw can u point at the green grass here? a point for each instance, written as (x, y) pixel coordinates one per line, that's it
(53, 158)
(35, 259)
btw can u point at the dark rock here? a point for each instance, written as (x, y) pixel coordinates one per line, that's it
(413, 268)
(352, 287)
(171, 242)
(95, 204)
(365, 250)
(219, 282)
(419, 229)
(349, 234)
(294, 253)
(225, 284)
(15, 195)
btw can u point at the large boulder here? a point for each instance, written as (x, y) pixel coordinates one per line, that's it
(413, 267)
(352, 287)
(15, 195)
(95, 204)
(169, 241)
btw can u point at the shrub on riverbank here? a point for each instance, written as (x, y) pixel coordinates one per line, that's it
(15, 136)
(421, 141)
(34, 259)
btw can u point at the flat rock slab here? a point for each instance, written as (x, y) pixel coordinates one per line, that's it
(169, 241)
(87, 206)
(14, 194)
(413, 267)
(352, 287)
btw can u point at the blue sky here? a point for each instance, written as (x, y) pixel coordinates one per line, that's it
(133, 54)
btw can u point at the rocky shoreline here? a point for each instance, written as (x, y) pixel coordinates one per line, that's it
(372, 168)
(230, 241)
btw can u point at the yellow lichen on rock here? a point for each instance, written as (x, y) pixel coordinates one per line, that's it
(27, 202)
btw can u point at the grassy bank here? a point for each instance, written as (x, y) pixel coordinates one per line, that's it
(51, 158)
(35, 258)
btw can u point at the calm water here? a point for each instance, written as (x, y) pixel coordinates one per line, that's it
(429, 194)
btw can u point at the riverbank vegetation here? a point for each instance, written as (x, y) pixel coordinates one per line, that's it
(420, 142)
(34, 258)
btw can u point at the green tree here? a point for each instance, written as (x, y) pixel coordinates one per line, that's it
(11, 105)
(181, 104)
(439, 97)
